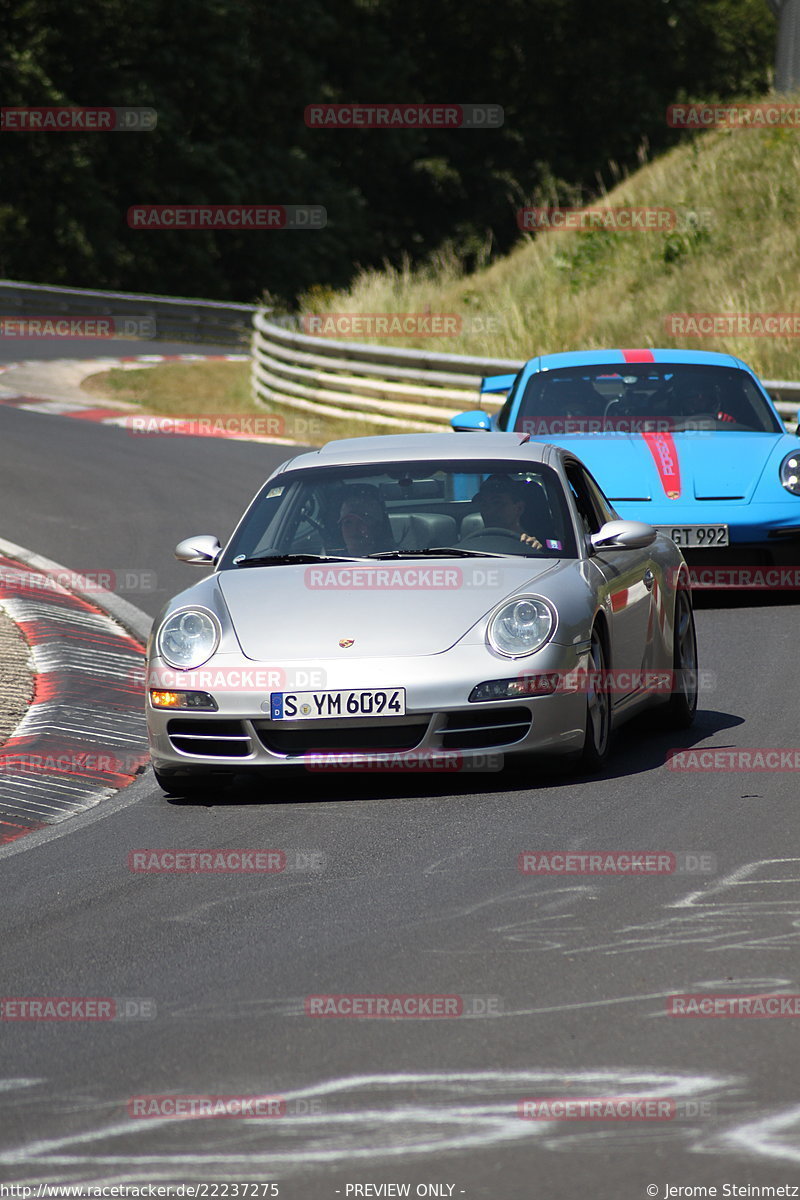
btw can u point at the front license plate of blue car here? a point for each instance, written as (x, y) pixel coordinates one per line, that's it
(310, 706)
(696, 535)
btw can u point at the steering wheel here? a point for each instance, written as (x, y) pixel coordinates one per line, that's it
(494, 531)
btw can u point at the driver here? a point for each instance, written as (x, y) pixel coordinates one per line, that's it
(363, 522)
(501, 502)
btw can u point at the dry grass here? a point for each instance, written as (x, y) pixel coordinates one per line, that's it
(736, 249)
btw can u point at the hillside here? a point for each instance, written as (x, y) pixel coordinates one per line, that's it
(735, 249)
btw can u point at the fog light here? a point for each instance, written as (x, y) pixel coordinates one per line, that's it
(524, 684)
(193, 700)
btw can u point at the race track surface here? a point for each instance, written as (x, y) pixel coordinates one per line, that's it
(414, 889)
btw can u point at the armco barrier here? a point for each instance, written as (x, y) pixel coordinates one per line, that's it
(405, 390)
(176, 319)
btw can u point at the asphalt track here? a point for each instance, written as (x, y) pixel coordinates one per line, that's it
(419, 892)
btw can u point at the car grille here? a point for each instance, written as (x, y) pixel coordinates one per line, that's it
(219, 739)
(345, 737)
(480, 730)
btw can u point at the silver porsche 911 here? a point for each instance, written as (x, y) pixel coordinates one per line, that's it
(391, 599)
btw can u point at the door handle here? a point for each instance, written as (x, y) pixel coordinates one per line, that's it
(649, 579)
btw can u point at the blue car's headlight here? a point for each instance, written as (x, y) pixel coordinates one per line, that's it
(521, 626)
(188, 638)
(790, 473)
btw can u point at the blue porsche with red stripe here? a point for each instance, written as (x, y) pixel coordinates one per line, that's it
(686, 440)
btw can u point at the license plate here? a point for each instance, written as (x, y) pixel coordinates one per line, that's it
(696, 535)
(310, 706)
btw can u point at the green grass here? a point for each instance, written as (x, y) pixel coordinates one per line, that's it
(218, 389)
(736, 249)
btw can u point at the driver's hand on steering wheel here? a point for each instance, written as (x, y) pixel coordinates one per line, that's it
(530, 540)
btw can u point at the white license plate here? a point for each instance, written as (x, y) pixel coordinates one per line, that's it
(697, 535)
(310, 706)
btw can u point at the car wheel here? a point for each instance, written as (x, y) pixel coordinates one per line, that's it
(190, 787)
(597, 742)
(682, 705)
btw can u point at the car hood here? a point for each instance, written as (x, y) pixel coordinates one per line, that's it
(303, 612)
(677, 466)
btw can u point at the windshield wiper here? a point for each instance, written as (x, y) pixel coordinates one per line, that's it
(270, 560)
(437, 552)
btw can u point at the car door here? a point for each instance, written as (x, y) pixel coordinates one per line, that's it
(629, 581)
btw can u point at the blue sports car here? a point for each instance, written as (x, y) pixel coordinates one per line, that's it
(686, 440)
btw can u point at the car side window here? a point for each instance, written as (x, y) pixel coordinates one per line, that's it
(599, 502)
(579, 485)
(505, 411)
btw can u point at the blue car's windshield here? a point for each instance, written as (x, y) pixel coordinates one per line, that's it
(641, 398)
(476, 507)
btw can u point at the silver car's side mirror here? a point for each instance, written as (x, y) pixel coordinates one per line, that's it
(624, 535)
(203, 549)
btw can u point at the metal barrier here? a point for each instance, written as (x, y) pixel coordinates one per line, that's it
(162, 318)
(404, 390)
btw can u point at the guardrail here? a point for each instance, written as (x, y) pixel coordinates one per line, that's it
(406, 390)
(157, 318)
(382, 385)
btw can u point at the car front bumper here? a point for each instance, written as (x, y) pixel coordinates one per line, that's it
(439, 721)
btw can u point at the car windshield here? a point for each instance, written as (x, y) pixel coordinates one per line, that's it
(399, 509)
(641, 398)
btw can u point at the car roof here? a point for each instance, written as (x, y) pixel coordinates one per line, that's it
(419, 447)
(587, 358)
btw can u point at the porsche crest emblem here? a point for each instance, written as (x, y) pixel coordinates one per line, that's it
(346, 643)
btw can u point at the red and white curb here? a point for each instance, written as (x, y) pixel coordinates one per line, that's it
(83, 737)
(158, 424)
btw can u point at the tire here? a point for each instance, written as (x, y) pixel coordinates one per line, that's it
(203, 787)
(597, 741)
(682, 706)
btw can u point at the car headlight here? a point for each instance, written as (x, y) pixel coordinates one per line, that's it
(790, 473)
(188, 638)
(522, 626)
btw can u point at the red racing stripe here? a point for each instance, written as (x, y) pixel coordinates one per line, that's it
(665, 456)
(641, 356)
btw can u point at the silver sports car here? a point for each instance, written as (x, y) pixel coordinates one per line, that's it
(395, 599)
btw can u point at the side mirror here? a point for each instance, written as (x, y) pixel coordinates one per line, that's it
(203, 549)
(474, 421)
(624, 535)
